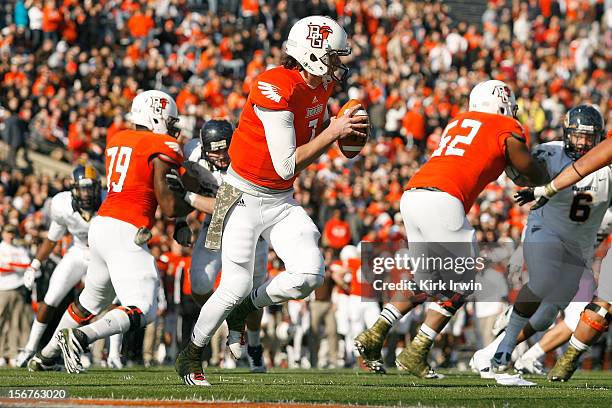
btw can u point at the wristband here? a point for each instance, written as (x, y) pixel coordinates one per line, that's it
(190, 197)
(550, 189)
(36, 264)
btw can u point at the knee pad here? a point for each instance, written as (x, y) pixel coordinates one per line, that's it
(601, 327)
(303, 285)
(448, 306)
(80, 315)
(137, 318)
(544, 316)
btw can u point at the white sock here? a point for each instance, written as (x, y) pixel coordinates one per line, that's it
(391, 314)
(253, 338)
(212, 315)
(114, 322)
(515, 325)
(577, 344)
(36, 333)
(114, 344)
(52, 348)
(535, 352)
(428, 332)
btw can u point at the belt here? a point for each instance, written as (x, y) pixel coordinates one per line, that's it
(426, 188)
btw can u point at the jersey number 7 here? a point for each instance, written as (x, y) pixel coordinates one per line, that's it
(119, 162)
(451, 137)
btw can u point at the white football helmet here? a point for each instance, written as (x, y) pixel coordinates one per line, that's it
(495, 97)
(316, 43)
(157, 111)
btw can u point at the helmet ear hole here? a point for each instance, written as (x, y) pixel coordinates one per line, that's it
(313, 58)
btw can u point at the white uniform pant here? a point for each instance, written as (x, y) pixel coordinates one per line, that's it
(604, 288)
(363, 313)
(206, 264)
(68, 272)
(437, 228)
(119, 266)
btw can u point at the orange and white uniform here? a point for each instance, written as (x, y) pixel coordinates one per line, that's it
(364, 309)
(118, 265)
(281, 114)
(471, 154)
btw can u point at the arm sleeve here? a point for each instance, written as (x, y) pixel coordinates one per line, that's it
(280, 137)
(57, 229)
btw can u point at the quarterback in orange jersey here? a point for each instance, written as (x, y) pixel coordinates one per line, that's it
(281, 131)
(474, 149)
(121, 264)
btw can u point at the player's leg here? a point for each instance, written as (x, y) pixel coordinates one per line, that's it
(530, 361)
(66, 275)
(253, 321)
(205, 266)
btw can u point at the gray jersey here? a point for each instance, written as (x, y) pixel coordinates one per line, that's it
(213, 176)
(577, 212)
(64, 219)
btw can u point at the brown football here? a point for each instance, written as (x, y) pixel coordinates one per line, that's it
(352, 145)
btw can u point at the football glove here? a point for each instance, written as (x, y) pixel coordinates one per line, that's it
(524, 196)
(31, 274)
(182, 232)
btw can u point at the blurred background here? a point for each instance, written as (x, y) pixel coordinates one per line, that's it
(70, 68)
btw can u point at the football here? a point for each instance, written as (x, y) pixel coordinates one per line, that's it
(352, 145)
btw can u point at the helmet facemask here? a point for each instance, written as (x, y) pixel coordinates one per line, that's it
(173, 130)
(336, 70)
(218, 158)
(86, 194)
(578, 142)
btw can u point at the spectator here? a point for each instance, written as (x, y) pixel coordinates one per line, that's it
(16, 132)
(337, 232)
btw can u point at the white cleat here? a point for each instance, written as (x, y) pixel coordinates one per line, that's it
(71, 342)
(23, 357)
(236, 344)
(481, 363)
(502, 321)
(529, 366)
(197, 379)
(114, 362)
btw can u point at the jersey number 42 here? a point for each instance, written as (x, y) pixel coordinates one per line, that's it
(451, 137)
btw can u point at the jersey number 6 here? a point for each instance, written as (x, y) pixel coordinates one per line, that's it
(121, 162)
(452, 149)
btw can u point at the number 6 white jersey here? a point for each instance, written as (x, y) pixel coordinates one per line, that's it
(575, 213)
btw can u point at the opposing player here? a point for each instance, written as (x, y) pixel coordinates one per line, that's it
(474, 149)
(137, 162)
(560, 240)
(210, 153)
(281, 131)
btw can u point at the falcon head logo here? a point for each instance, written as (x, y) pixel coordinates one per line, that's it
(317, 33)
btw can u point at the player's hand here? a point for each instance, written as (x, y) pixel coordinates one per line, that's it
(182, 233)
(31, 274)
(174, 182)
(524, 196)
(542, 194)
(349, 125)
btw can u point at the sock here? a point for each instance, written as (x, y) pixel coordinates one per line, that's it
(52, 348)
(253, 339)
(577, 344)
(114, 322)
(492, 348)
(515, 325)
(36, 333)
(428, 332)
(535, 352)
(114, 344)
(391, 314)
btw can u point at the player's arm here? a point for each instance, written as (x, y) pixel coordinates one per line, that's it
(596, 158)
(288, 159)
(519, 156)
(169, 202)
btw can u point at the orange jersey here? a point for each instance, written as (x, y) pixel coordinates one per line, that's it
(276, 89)
(471, 154)
(129, 174)
(359, 286)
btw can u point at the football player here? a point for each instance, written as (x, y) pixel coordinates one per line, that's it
(281, 131)
(71, 211)
(137, 161)
(559, 241)
(474, 149)
(210, 155)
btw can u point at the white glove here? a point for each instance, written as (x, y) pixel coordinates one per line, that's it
(31, 274)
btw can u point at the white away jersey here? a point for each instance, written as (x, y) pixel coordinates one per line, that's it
(576, 212)
(193, 152)
(65, 218)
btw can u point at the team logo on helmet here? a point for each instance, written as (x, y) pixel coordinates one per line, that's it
(503, 93)
(159, 105)
(318, 33)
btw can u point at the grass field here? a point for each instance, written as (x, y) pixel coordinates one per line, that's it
(588, 389)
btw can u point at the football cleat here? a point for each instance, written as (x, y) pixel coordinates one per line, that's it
(529, 366)
(40, 363)
(565, 366)
(236, 344)
(255, 357)
(73, 343)
(501, 322)
(369, 344)
(481, 363)
(23, 357)
(188, 366)
(413, 359)
(114, 362)
(501, 361)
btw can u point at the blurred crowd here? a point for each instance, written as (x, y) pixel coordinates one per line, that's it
(69, 70)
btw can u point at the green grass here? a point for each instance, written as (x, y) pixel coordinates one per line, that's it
(589, 389)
